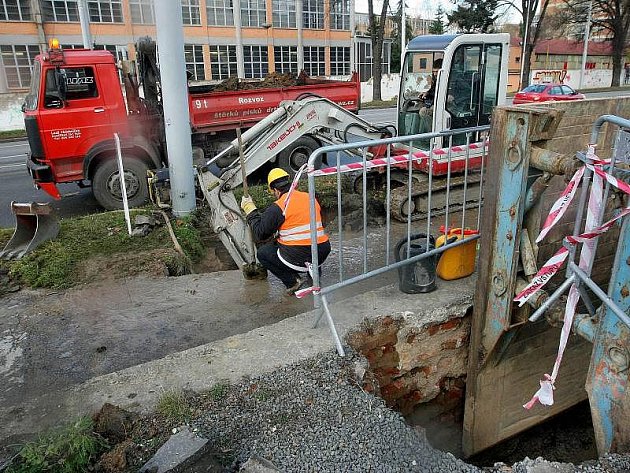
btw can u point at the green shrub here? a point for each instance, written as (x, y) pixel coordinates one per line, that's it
(174, 406)
(69, 450)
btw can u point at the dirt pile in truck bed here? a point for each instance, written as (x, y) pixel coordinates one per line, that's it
(270, 81)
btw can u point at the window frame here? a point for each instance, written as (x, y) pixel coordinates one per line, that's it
(141, 6)
(114, 8)
(341, 15)
(226, 9)
(312, 16)
(226, 58)
(23, 72)
(320, 63)
(279, 55)
(255, 68)
(20, 6)
(287, 17)
(336, 63)
(189, 17)
(50, 9)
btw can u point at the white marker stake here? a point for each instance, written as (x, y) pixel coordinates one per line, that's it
(123, 187)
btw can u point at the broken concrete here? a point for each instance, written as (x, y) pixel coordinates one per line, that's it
(180, 449)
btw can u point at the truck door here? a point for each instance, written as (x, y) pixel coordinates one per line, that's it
(72, 126)
(473, 87)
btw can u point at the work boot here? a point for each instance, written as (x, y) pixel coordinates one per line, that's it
(300, 283)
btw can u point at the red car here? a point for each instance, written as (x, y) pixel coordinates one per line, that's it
(546, 93)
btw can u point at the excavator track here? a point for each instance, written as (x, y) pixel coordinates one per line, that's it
(420, 197)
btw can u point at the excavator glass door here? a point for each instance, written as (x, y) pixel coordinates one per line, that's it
(472, 89)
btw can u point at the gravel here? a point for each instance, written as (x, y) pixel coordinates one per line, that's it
(314, 416)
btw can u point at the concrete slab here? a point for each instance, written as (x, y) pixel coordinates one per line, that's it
(229, 359)
(181, 448)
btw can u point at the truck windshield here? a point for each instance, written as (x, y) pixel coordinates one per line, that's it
(417, 73)
(30, 101)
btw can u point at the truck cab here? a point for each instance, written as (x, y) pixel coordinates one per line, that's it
(75, 103)
(469, 77)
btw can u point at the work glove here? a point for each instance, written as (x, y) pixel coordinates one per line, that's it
(248, 205)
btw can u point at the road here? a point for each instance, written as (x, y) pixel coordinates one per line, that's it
(16, 183)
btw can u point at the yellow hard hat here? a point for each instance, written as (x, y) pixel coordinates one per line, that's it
(275, 174)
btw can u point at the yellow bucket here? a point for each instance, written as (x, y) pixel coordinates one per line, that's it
(457, 262)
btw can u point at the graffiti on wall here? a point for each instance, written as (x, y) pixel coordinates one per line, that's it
(554, 75)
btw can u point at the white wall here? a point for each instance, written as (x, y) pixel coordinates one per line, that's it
(390, 84)
(593, 78)
(11, 117)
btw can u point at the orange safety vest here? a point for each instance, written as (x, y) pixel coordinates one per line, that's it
(296, 229)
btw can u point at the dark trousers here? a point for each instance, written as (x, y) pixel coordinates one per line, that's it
(268, 257)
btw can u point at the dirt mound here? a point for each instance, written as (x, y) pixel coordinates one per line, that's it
(270, 81)
(155, 263)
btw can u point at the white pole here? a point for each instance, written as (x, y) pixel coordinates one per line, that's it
(84, 19)
(170, 40)
(587, 31)
(123, 185)
(403, 33)
(524, 46)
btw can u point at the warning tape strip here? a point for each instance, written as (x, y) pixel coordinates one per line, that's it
(400, 159)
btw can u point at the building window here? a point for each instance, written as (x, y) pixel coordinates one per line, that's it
(339, 61)
(61, 11)
(223, 62)
(313, 14)
(253, 13)
(256, 61)
(364, 58)
(314, 60)
(193, 55)
(285, 58)
(220, 12)
(120, 53)
(15, 10)
(105, 11)
(339, 15)
(284, 13)
(18, 64)
(142, 12)
(190, 12)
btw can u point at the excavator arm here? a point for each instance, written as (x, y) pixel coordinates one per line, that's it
(317, 117)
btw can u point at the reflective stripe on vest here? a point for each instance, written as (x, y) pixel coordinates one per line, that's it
(296, 229)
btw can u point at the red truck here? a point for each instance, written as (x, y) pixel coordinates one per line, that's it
(76, 104)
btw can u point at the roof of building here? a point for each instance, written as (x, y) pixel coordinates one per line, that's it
(567, 46)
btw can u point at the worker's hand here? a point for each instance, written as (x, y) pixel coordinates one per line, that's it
(248, 205)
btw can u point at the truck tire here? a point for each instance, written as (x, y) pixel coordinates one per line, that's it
(293, 157)
(106, 183)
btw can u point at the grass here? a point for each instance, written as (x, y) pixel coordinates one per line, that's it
(7, 135)
(380, 103)
(174, 406)
(219, 391)
(55, 264)
(69, 450)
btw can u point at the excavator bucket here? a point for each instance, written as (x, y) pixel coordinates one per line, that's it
(35, 224)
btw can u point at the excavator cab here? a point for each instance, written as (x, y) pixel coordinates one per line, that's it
(451, 82)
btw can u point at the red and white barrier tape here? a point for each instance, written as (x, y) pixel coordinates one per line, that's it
(544, 395)
(398, 159)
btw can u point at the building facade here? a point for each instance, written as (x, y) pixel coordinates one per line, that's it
(222, 37)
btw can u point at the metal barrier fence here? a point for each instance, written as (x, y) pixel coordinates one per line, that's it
(423, 189)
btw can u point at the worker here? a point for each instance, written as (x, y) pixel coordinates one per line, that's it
(428, 97)
(287, 256)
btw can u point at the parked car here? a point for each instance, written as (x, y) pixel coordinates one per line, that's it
(546, 93)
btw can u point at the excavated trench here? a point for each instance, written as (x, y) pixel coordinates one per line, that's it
(421, 373)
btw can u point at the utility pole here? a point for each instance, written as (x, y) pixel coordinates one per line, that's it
(587, 32)
(353, 57)
(84, 18)
(524, 42)
(403, 33)
(170, 41)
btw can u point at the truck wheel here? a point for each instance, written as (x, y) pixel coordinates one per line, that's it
(297, 154)
(106, 183)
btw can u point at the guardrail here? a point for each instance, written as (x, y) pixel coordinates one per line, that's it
(442, 187)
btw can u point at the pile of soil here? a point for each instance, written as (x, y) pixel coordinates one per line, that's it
(270, 81)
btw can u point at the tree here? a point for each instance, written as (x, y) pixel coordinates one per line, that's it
(376, 29)
(532, 27)
(609, 19)
(437, 25)
(397, 46)
(474, 16)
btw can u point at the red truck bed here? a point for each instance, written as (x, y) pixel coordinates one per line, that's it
(217, 111)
